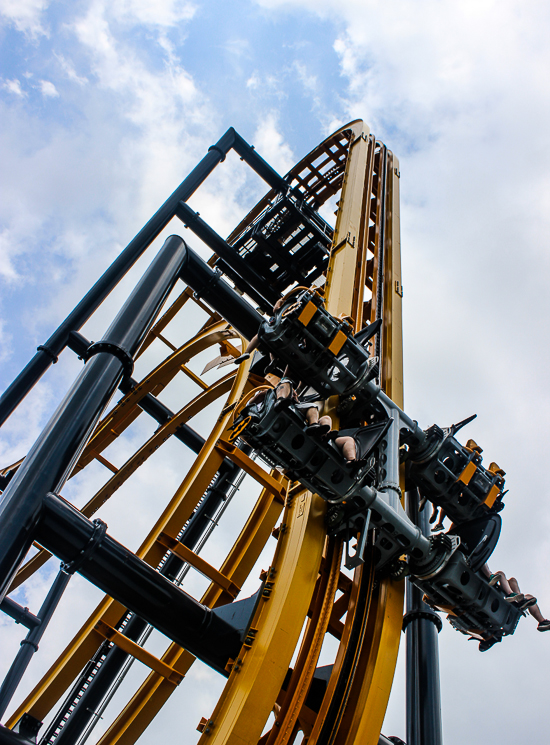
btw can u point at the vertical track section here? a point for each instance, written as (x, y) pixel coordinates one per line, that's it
(305, 594)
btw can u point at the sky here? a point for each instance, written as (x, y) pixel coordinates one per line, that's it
(106, 106)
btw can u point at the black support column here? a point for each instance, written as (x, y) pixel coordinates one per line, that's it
(71, 721)
(421, 626)
(53, 456)
(86, 548)
(48, 352)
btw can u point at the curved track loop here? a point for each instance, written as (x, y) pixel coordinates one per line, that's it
(306, 595)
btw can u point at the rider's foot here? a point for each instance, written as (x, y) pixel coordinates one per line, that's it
(544, 625)
(515, 597)
(526, 603)
(318, 430)
(242, 358)
(494, 579)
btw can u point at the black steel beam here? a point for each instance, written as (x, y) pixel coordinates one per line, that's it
(72, 721)
(209, 285)
(109, 565)
(149, 403)
(423, 696)
(9, 737)
(53, 456)
(258, 164)
(48, 352)
(29, 645)
(19, 614)
(246, 279)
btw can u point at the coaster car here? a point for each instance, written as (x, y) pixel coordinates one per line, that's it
(451, 475)
(317, 347)
(277, 429)
(464, 593)
(357, 503)
(473, 606)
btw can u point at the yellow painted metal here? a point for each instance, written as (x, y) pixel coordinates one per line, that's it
(307, 314)
(393, 327)
(259, 672)
(337, 343)
(62, 673)
(139, 653)
(136, 460)
(349, 160)
(342, 268)
(368, 693)
(250, 467)
(147, 701)
(177, 512)
(491, 497)
(384, 632)
(198, 563)
(466, 475)
(308, 657)
(154, 692)
(386, 609)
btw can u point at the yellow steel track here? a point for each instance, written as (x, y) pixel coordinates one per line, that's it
(306, 595)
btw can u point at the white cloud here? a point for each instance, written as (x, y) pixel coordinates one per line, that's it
(460, 93)
(271, 144)
(253, 81)
(48, 89)
(164, 13)
(7, 251)
(308, 80)
(26, 15)
(14, 86)
(68, 68)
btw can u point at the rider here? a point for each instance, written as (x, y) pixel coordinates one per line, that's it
(514, 595)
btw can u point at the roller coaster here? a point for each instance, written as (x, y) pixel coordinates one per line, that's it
(295, 317)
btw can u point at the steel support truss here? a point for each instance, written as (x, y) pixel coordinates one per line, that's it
(359, 265)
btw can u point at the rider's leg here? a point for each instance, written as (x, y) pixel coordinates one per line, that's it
(312, 415)
(347, 446)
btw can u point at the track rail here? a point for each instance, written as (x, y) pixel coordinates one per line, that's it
(309, 595)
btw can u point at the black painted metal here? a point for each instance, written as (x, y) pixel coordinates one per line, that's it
(97, 678)
(9, 737)
(149, 403)
(422, 672)
(287, 243)
(246, 279)
(42, 360)
(209, 285)
(19, 614)
(48, 352)
(29, 645)
(65, 532)
(27, 511)
(52, 457)
(258, 164)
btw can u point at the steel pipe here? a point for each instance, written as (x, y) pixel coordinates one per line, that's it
(423, 698)
(19, 614)
(29, 645)
(48, 352)
(246, 279)
(71, 721)
(65, 532)
(53, 456)
(210, 286)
